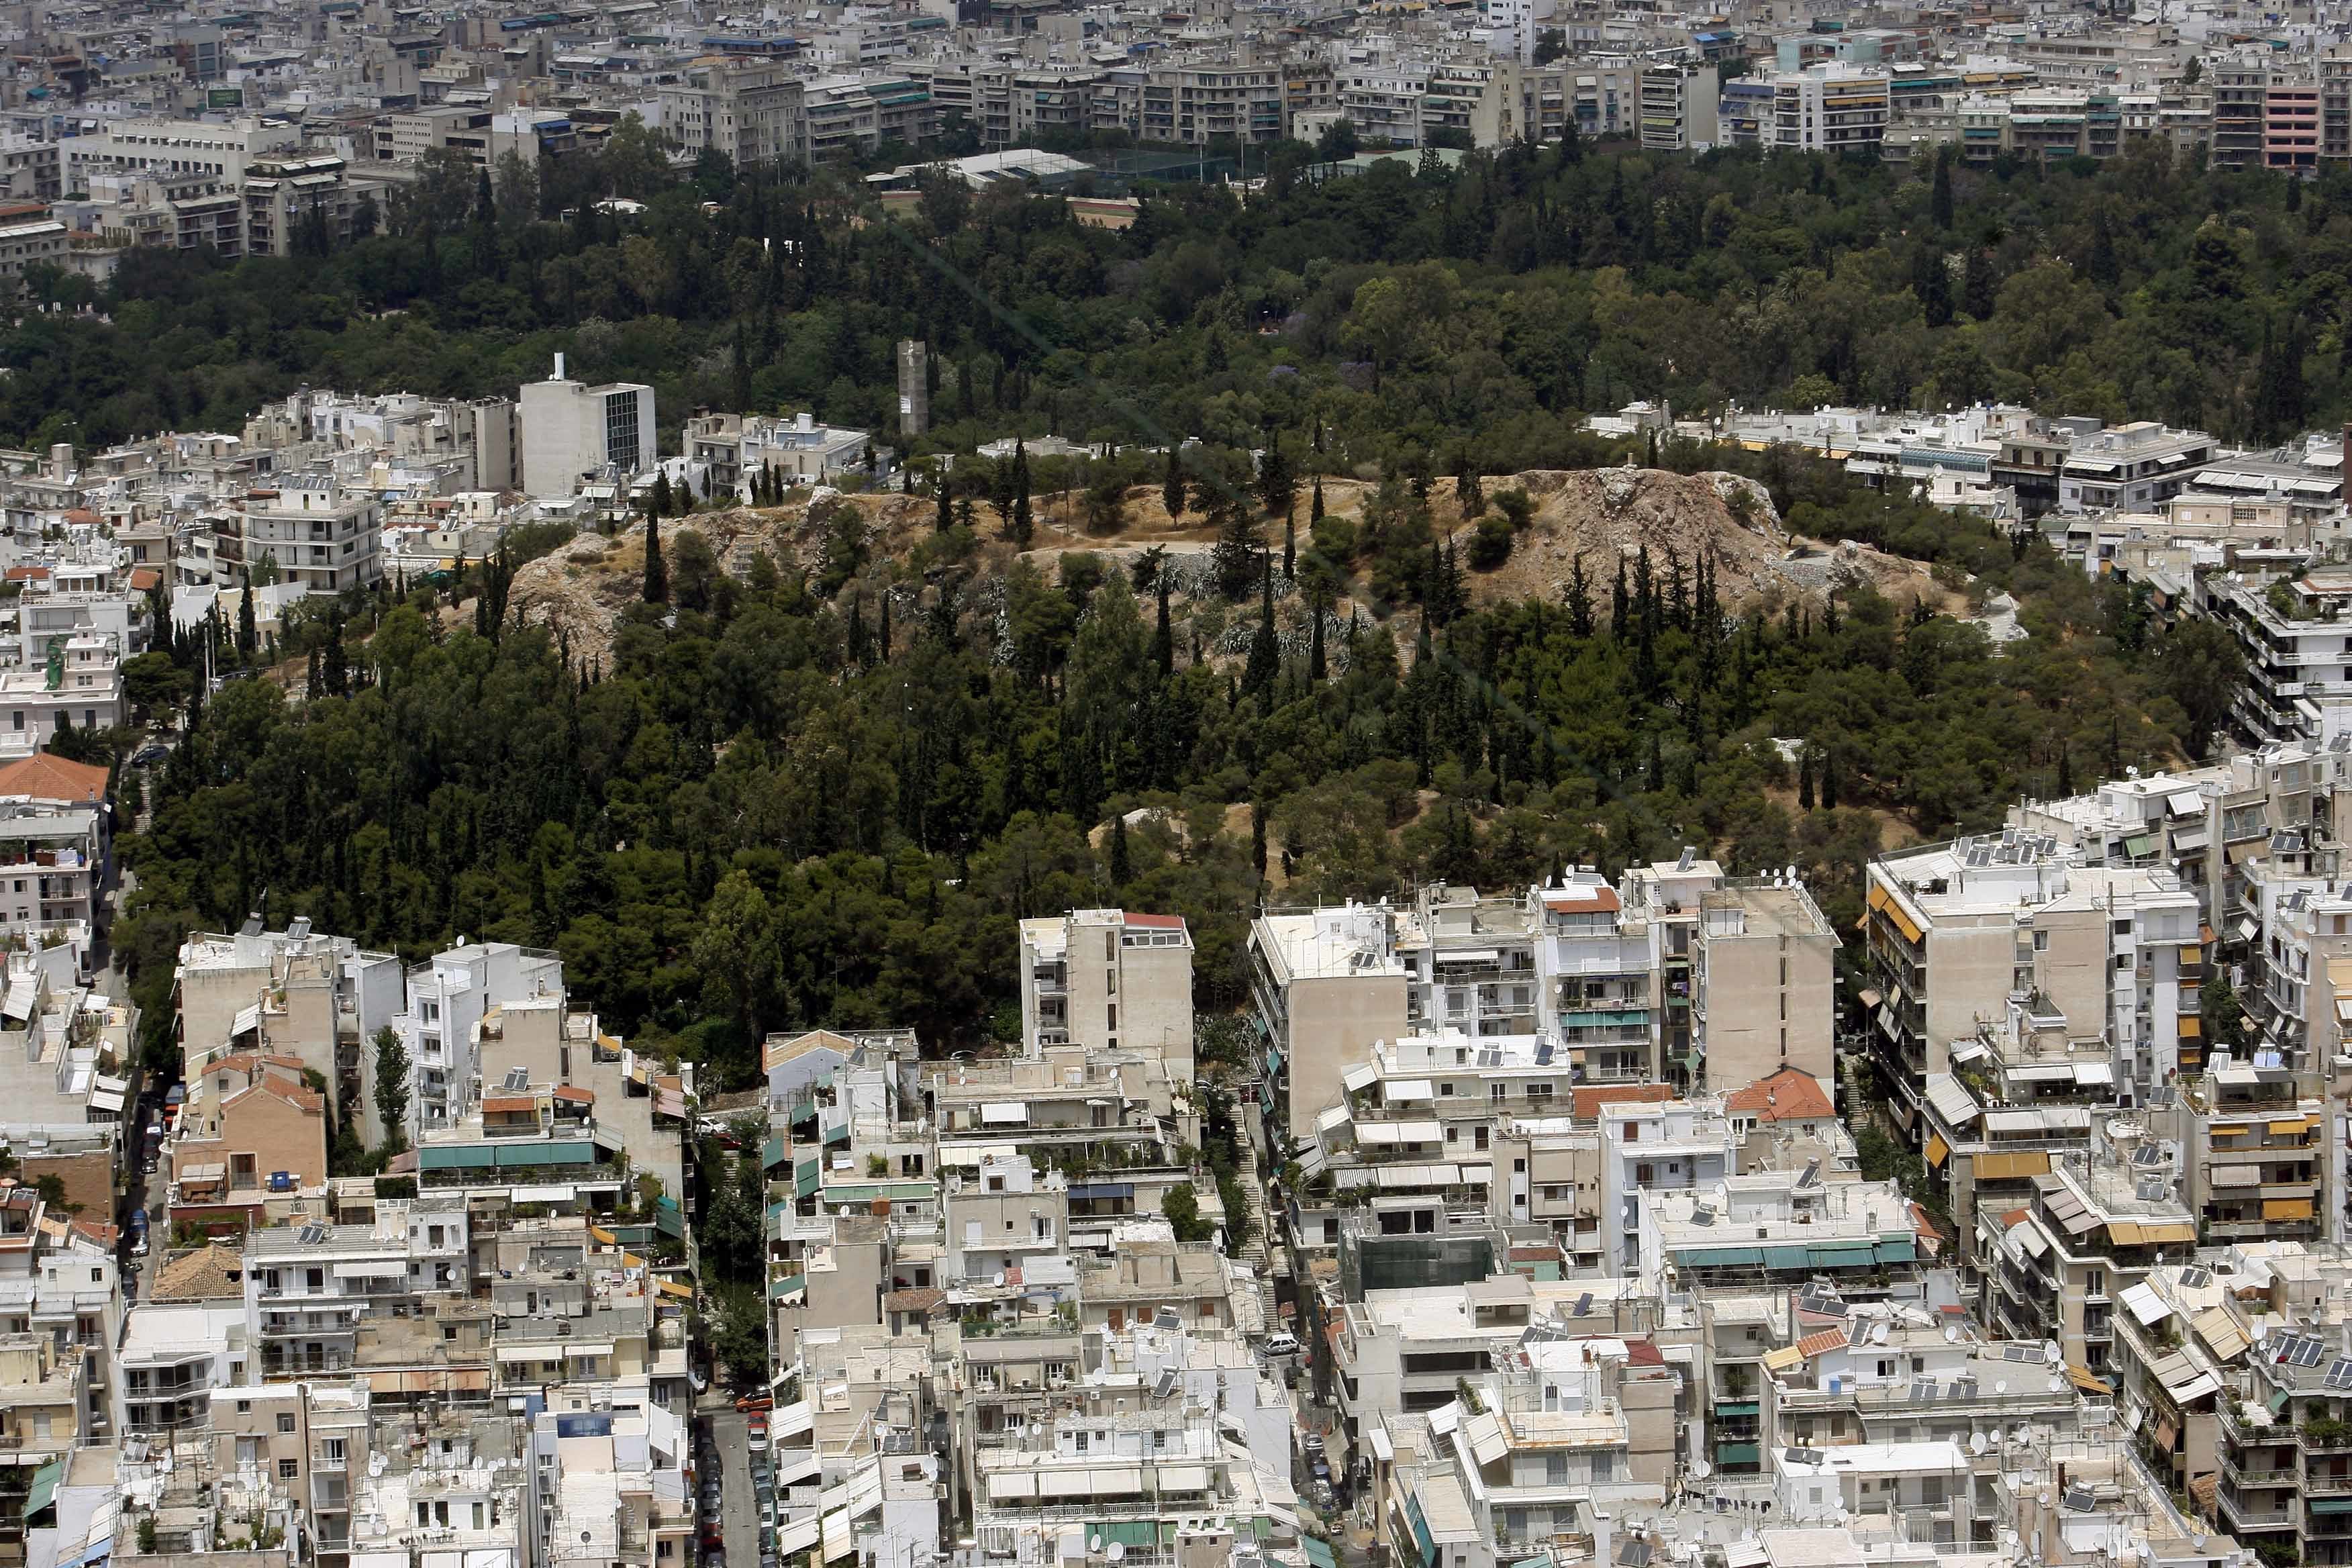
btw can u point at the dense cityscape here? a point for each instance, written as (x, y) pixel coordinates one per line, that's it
(1009, 783)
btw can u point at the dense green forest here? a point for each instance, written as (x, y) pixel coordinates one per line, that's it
(777, 805)
(1405, 310)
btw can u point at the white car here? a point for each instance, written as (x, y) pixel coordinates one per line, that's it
(1281, 1344)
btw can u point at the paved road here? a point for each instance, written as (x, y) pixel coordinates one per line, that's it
(739, 1511)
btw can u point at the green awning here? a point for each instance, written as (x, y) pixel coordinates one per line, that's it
(2320, 1505)
(563, 1154)
(1897, 1249)
(791, 1285)
(1738, 1407)
(2278, 1400)
(1317, 1552)
(1720, 1258)
(449, 1157)
(45, 1487)
(771, 1153)
(1132, 1531)
(1787, 1258)
(1844, 1254)
(806, 1175)
(2140, 844)
(1739, 1453)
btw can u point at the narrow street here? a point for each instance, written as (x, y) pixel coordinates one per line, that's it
(738, 1511)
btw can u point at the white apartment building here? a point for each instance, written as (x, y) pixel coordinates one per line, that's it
(1109, 980)
(572, 432)
(1829, 108)
(175, 147)
(317, 532)
(2092, 955)
(749, 110)
(442, 1029)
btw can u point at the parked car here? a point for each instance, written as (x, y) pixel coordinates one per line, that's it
(759, 1433)
(148, 755)
(1281, 1344)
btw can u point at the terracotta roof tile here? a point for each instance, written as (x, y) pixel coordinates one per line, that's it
(1822, 1344)
(1788, 1094)
(43, 776)
(1587, 1102)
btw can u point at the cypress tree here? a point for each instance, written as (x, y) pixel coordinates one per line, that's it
(946, 519)
(1805, 780)
(1163, 638)
(1579, 597)
(1024, 524)
(1121, 871)
(1619, 601)
(1172, 486)
(1315, 665)
(1939, 194)
(1314, 507)
(657, 572)
(1290, 548)
(1828, 782)
(1264, 654)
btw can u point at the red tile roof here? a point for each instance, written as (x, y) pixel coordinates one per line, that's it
(1585, 1103)
(1822, 1344)
(504, 1104)
(578, 1096)
(143, 578)
(28, 574)
(1785, 1095)
(1597, 897)
(43, 776)
(1162, 922)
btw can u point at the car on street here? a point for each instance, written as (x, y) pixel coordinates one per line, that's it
(759, 1433)
(1281, 1344)
(148, 755)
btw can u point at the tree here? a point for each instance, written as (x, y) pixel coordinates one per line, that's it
(945, 520)
(1314, 507)
(392, 1088)
(1234, 561)
(1182, 1209)
(1940, 196)
(740, 1342)
(1172, 486)
(1122, 870)
(735, 947)
(1021, 526)
(2200, 666)
(659, 504)
(657, 573)
(1277, 486)
(247, 641)
(2221, 1015)
(1264, 654)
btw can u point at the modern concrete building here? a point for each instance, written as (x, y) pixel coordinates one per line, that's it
(1109, 980)
(571, 432)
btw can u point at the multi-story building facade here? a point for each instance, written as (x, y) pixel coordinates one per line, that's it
(1104, 979)
(751, 110)
(313, 529)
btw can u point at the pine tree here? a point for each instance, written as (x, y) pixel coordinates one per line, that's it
(1468, 492)
(1235, 554)
(1315, 671)
(1618, 604)
(657, 572)
(882, 630)
(1828, 782)
(1579, 598)
(1290, 548)
(1172, 486)
(1805, 780)
(312, 689)
(1314, 507)
(946, 519)
(659, 505)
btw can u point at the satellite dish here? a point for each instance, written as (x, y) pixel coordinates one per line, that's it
(2002, 1386)
(1951, 1333)
(1977, 1443)
(2024, 1434)
(2050, 1352)
(1000, 1277)
(2056, 1384)
(1094, 1543)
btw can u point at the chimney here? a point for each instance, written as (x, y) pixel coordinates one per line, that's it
(558, 367)
(1601, 1540)
(804, 424)
(62, 460)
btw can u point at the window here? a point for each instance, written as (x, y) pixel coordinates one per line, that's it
(331, 1451)
(284, 1421)
(288, 1468)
